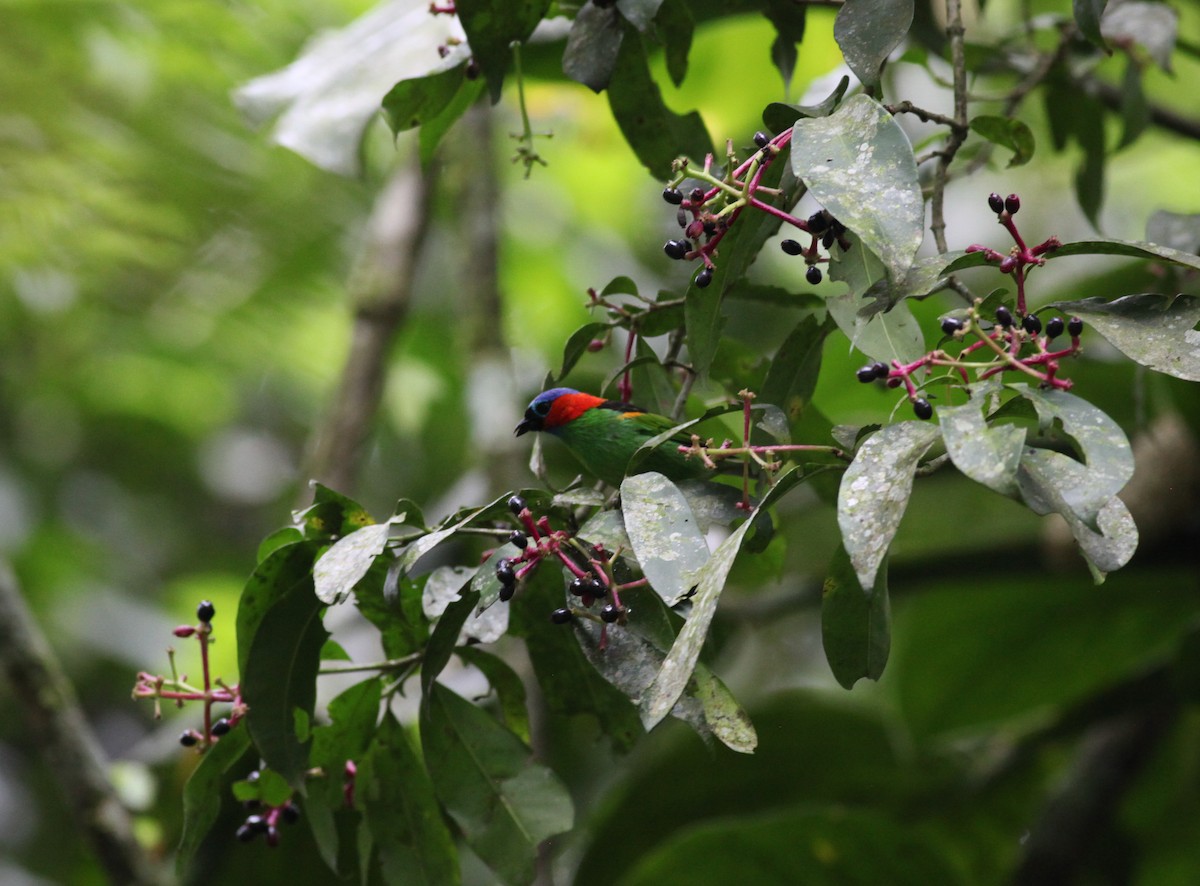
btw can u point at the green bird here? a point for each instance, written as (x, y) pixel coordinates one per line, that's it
(604, 434)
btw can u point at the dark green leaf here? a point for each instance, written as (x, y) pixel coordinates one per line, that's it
(506, 683)
(677, 668)
(859, 165)
(655, 133)
(503, 803)
(332, 515)
(592, 46)
(792, 377)
(675, 27)
(491, 27)
(411, 103)
(660, 321)
(343, 566)
(276, 577)
(1008, 133)
(868, 30)
(1087, 15)
(1154, 330)
(402, 813)
(855, 623)
(444, 638)
(402, 626)
(1089, 178)
(620, 285)
(875, 491)
(276, 540)
(664, 533)
(1135, 109)
(988, 454)
(279, 681)
(789, 20)
(888, 335)
(778, 116)
(202, 794)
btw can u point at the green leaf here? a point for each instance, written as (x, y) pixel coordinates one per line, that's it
(284, 569)
(891, 334)
(1135, 109)
(411, 103)
(868, 30)
(276, 540)
(1174, 230)
(402, 813)
(664, 533)
(492, 27)
(677, 668)
(349, 559)
(1008, 133)
(503, 803)
(279, 681)
(859, 165)
(592, 46)
(778, 116)
(444, 638)
(1087, 15)
(723, 714)
(506, 683)
(792, 377)
(988, 454)
(789, 20)
(419, 547)
(875, 490)
(433, 129)
(675, 27)
(332, 515)
(1154, 330)
(855, 623)
(486, 583)
(202, 794)
(577, 345)
(655, 133)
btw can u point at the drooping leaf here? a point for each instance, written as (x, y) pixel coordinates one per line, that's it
(988, 454)
(444, 638)
(855, 622)
(279, 681)
(1008, 133)
(778, 116)
(859, 165)
(868, 30)
(419, 547)
(792, 377)
(1135, 108)
(875, 490)
(1087, 15)
(789, 20)
(723, 714)
(592, 46)
(664, 533)
(1154, 330)
(675, 27)
(503, 802)
(892, 334)
(277, 576)
(506, 683)
(202, 794)
(677, 668)
(347, 561)
(412, 103)
(577, 345)
(402, 813)
(492, 28)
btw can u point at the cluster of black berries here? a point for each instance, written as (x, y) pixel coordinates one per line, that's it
(826, 230)
(703, 224)
(506, 572)
(1010, 204)
(265, 820)
(589, 589)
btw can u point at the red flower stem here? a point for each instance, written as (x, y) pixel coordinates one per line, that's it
(625, 387)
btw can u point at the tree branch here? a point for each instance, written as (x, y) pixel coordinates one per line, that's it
(67, 742)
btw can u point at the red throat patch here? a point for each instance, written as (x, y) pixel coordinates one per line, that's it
(569, 407)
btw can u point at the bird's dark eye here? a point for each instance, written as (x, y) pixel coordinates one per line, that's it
(542, 408)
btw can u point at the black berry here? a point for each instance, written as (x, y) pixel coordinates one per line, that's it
(256, 823)
(516, 504)
(951, 325)
(205, 611)
(596, 588)
(674, 196)
(506, 573)
(817, 222)
(290, 813)
(561, 616)
(881, 369)
(246, 833)
(681, 217)
(1012, 203)
(677, 249)
(1075, 327)
(1054, 327)
(996, 203)
(188, 739)
(696, 197)
(472, 70)
(791, 247)
(813, 275)
(866, 375)
(221, 727)
(1031, 324)
(922, 409)
(762, 139)
(828, 239)
(710, 227)
(519, 538)
(1004, 316)
(253, 777)
(704, 278)
(506, 592)
(610, 613)
(578, 587)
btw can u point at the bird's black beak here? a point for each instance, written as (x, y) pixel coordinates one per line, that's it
(524, 427)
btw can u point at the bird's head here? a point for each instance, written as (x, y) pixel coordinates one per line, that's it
(554, 408)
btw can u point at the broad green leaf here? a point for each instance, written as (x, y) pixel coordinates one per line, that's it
(656, 134)
(1089, 177)
(855, 623)
(269, 788)
(577, 345)
(1087, 15)
(399, 807)
(875, 490)
(812, 845)
(433, 129)
(675, 27)
(276, 540)
(868, 30)
(789, 20)
(1135, 108)
(891, 334)
(859, 165)
(503, 803)
(444, 638)
(792, 377)
(202, 794)
(279, 681)
(1154, 330)
(347, 561)
(419, 547)
(395, 611)
(778, 116)
(412, 103)
(988, 454)
(1008, 133)
(713, 504)
(276, 577)
(664, 533)
(592, 46)
(506, 683)
(677, 668)
(443, 588)
(723, 714)
(492, 27)
(331, 515)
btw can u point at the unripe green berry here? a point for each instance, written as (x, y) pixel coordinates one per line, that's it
(922, 409)
(791, 247)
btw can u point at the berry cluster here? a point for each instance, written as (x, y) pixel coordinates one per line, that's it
(265, 819)
(706, 213)
(1015, 341)
(177, 689)
(591, 566)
